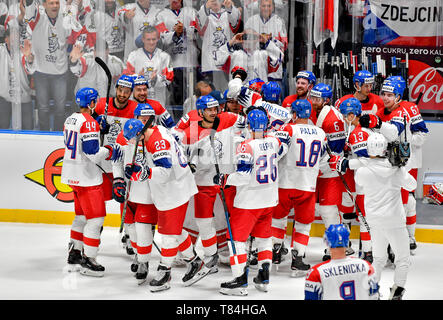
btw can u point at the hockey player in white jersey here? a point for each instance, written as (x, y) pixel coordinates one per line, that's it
(278, 116)
(297, 185)
(256, 180)
(172, 185)
(342, 277)
(139, 200)
(81, 173)
(381, 184)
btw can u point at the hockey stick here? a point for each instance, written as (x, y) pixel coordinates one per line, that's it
(128, 188)
(222, 194)
(348, 190)
(105, 68)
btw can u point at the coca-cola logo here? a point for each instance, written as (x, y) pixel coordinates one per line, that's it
(426, 79)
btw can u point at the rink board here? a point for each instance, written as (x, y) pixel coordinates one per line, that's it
(32, 191)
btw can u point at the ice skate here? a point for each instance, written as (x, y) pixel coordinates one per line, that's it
(209, 267)
(261, 281)
(194, 266)
(397, 293)
(277, 253)
(90, 267)
(74, 259)
(253, 262)
(298, 267)
(349, 250)
(236, 287)
(134, 264)
(162, 280)
(142, 272)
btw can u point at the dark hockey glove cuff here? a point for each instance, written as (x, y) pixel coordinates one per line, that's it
(119, 190)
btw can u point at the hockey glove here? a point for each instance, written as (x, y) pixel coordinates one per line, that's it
(119, 190)
(338, 163)
(104, 126)
(133, 171)
(370, 121)
(244, 97)
(220, 179)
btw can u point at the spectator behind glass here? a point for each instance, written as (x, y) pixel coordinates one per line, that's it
(51, 28)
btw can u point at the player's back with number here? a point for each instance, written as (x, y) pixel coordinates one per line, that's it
(340, 279)
(81, 137)
(299, 168)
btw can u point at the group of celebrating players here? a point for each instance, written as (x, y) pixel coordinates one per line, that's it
(263, 159)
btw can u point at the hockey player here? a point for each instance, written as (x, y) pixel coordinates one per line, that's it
(120, 109)
(256, 85)
(240, 97)
(357, 144)
(139, 202)
(278, 115)
(304, 81)
(381, 184)
(199, 147)
(363, 82)
(342, 277)
(80, 172)
(140, 95)
(329, 185)
(153, 63)
(297, 184)
(256, 180)
(419, 133)
(219, 21)
(172, 185)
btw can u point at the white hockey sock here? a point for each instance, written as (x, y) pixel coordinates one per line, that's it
(329, 215)
(279, 229)
(207, 235)
(91, 236)
(77, 228)
(238, 262)
(411, 215)
(365, 237)
(300, 237)
(130, 230)
(264, 248)
(168, 250)
(185, 245)
(144, 241)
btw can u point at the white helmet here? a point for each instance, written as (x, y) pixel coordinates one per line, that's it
(234, 88)
(377, 145)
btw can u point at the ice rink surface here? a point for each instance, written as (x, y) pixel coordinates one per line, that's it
(34, 268)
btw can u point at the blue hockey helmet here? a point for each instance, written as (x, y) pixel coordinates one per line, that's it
(144, 109)
(302, 108)
(337, 236)
(308, 75)
(256, 84)
(398, 79)
(207, 101)
(131, 128)
(271, 91)
(125, 81)
(362, 77)
(218, 96)
(394, 87)
(85, 96)
(322, 90)
(140, 80)
(350, 105)
(258, 120)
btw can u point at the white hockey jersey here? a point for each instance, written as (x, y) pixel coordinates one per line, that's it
(171, 181)
(140, 191)
(341, 279)
(144, 63)
(277, 115)
(175, 45)
(134, 27)
(216, 29)
(258, 63)
(82, 151)
(50, 38)
(277, 28)
(257, 174)
(300, 166)
(91, 75)
(202, 154)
